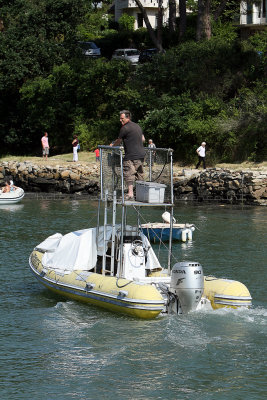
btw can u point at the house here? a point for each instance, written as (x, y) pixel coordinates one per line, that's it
(252, 17)
(253, 13)
(130, 7)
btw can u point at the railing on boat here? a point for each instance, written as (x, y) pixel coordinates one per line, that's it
(158, 170)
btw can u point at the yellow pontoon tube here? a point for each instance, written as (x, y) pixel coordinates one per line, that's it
(226, 293)
(112, 293)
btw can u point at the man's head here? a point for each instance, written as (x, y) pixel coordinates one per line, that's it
(46, 134)
(125, 116)
(150, 141)
(203, 144)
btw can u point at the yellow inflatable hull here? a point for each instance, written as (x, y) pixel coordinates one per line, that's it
(222, 292)
(226, 293)
(128, 297)
(114, 294)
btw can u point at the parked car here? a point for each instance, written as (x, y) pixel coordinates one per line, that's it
(147, 55)
(131, 55)
(90, 49)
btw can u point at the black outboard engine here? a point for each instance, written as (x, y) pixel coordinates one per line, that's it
(187, 286)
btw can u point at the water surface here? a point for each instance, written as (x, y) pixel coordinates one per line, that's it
(53, 349)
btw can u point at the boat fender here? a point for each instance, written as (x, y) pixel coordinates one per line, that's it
(189, 234)
(184, 235)
(166, 216)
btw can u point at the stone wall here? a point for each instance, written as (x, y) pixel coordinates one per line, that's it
(213, 184)
(222, 185)
(68, 179)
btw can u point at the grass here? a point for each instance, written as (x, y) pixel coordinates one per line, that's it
(84, 156)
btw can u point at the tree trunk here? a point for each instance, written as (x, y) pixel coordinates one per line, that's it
(203, 20)
(172, 16)
(151, 32)
(160, 17)
(182, 13)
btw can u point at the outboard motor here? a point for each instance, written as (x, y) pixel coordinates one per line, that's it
(187, 283)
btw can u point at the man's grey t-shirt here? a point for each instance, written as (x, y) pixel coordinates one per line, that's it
(132, 137)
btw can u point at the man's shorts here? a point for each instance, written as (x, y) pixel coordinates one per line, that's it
(46, 151)
(133, 170)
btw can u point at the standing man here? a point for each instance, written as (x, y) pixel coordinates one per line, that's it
(201, 155)
(45, 145)
(132, 137)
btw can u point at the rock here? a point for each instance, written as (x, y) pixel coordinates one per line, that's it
(74, 176)
(65, 174)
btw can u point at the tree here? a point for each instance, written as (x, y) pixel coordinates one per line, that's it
(182, 12)
(203, 20)
(172, 16)
(31, 43)
(153, 37)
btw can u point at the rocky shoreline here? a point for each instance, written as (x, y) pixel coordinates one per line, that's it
(82, 179)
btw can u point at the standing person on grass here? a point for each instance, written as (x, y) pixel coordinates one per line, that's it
(97, 155)
(201, 155)
(75, 143)
(132, 137)
(45, 145)
(152, 154)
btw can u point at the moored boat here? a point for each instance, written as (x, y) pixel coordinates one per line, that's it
(11, 197)
(114, 265)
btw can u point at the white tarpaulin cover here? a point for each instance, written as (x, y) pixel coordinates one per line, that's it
(76, 250)
(50, 244)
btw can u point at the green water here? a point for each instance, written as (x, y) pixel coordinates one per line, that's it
(56, 349)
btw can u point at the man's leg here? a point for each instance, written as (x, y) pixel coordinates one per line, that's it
(129, 175)
(204, 163)
(199, 161)
(139, 174)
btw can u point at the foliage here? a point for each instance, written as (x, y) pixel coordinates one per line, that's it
(213, 90)
(225, 31)
(82, 98)
(95, 24)
(126, 23)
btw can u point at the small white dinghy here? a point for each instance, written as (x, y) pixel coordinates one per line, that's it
(11, 197)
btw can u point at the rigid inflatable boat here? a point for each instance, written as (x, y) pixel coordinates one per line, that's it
(114, 266)
(11, 197)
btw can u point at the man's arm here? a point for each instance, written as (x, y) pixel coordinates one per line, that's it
(143, 138)
(117, 142)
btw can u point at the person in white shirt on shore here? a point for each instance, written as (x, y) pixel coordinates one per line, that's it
(201, 155)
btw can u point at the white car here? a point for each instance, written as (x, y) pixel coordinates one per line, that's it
(131, 55)
(89, 49)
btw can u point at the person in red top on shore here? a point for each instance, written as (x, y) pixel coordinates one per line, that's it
(97, 154)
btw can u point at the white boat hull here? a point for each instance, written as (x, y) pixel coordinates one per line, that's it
(12, 197)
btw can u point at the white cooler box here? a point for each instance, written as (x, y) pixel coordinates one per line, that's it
(150, 192)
